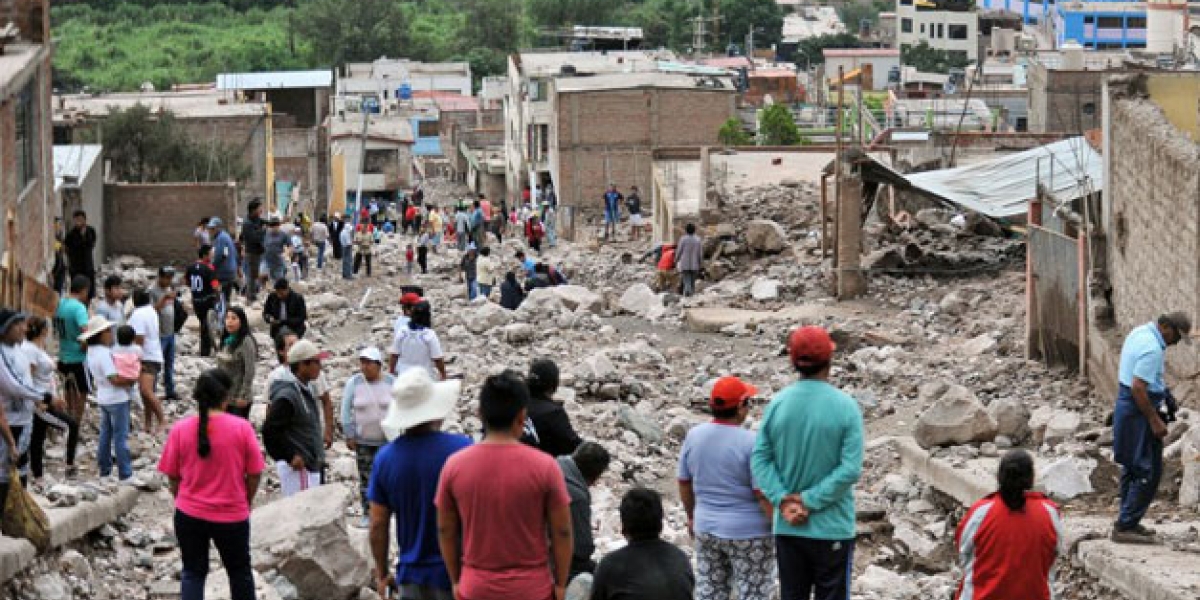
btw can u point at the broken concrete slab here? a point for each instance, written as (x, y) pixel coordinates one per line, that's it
(714, 319)
(1142, 572)
(965, 485)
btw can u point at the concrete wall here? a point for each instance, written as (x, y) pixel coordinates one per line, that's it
(599, 137)
(246, 134)
(155, 221)
(88, 196)
(1064, 101)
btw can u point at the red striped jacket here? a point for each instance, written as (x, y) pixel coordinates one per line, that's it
(1009, 554)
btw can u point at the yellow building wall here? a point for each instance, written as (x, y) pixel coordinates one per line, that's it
(337, 181)
(1178, 95)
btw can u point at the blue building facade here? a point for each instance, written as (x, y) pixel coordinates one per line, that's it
(1099, 24)
(425, 136)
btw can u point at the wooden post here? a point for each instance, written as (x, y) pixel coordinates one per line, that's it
(837, 177)
(1034, 219)
(1082, 303)
(824, 215)
(851, 283)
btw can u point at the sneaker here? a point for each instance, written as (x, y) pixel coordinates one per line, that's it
(1135, 535)
(133, 481)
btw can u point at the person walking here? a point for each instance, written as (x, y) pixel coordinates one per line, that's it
(163, 296)
(320, 387)
(253, 237)
(364, 246)
(486, 269)
(462, 227)
(214, 465)
(612, 211)
(19, 399)
(80, 243)
(292, 431)
(648, 568)
(145, 323)
(404, 481)
(206, 289)
(418, 346)
(365, 402)
(497, 504)
(1144, 405)
(469, 271)
(534, 232)
(113, 395)
(225, 258)
(689, 254)
(581, 470)
(285, 308)
(423, 252)
(46, 414)
(275, 244)
(728, 519)
(70, 318)
(548, 427)
(1008, 541)
(806, 461)
(237, 355)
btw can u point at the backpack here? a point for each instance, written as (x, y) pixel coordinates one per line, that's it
(181, 315)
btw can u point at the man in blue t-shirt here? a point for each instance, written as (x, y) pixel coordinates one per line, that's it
(70, 319)
(612, 210)
(404, 481)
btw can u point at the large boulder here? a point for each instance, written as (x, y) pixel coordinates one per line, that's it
(1012, 418)
(540, 304)
(1189, 489)
(1068, 477)
(575, 296)
(646, 429)
(304, 538)
(954, 416)
(640, 300)
(487, 316)
(765, 235)
(596, 367)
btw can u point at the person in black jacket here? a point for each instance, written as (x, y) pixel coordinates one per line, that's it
(336, 225)
(547, 426)
(511, 294)
(285, 308)
(202, 280)
(649, 568)
(291, 432)
(254, 231)
(80, 243)
(581, 470)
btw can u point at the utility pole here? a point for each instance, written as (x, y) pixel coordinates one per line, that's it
(362, 164)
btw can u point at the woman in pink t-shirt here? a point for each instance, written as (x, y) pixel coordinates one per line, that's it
(214, 464)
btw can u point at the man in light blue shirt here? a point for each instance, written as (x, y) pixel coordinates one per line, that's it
(1144, 405)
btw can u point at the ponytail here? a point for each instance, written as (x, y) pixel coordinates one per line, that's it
(212, 390)
(1015, 478)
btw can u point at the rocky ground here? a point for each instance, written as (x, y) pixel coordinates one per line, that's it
(928, 351)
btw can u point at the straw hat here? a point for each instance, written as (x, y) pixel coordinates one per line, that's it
(95, 326)
(417, 399)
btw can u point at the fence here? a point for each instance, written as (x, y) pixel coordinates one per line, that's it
(1056, 298)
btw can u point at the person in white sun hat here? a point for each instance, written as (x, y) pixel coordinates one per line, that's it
(403, 482)
(113, 394)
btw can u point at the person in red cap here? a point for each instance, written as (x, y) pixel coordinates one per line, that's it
(407, 301)
(806, 461)
(727, 515)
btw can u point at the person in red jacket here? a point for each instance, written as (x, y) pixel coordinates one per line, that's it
(1008, 542)
(666, 267)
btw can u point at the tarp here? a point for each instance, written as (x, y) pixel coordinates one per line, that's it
(1004, 186)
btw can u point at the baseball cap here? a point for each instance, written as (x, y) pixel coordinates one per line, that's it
(167, 271)
(410, 299)
(216, 222)
(810, 345)
(730, 392)
(305, 350)
(1180, 322)
(371, 353)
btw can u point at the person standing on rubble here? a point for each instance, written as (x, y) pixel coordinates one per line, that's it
(612, 211)
(365, 402)
(80, 243)
(1143, 409)
(19, 399)
(689, 255)
(253, 235)
(547, 428)
(145, 323)
(70, 318)
(225, 258)
(292, 430)
(806, 460)
(163, 295)
(205, 287)
(335, 235)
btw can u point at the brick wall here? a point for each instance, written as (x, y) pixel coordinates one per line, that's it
(33, 204)
(155, 221)
(1154, 238)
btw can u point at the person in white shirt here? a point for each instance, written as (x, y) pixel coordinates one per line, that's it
(111, 305)
(365, 402)
(112, 394)
(418, 346)
(144, 321)
(54, 414)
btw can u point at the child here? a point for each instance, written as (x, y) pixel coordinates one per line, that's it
(409, 257)
(127, 357)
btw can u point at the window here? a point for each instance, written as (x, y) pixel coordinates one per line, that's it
(958, 32)
(381, 161)
(905, 25)
(906, 2)
(1110, 22)
(1089, 19)
(27, 135)
(427, 128)
(1137, 22)
(922, 29)
(940, 31)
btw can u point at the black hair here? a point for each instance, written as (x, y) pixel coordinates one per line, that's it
(203, 251)
(486, 251)
(281, 284)
(112, 281)
(542, 378)
(592, 460)
(281, 341)
(1015, 477)
(502, 399)
(254, 204)
(35, 326)
(520, 254)
(641, 514)
(725, 413)
(476, 204)
(126, 335)
(810, 371)
(243, 332)
(141, 297)
(690, 228)
(79, 213)
(212, 390)
(422, 316)
(80, 284)
(203, 221)
(541, 268)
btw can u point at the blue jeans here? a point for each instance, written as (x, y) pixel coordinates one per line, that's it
(348, 262)
(320, 255)
(233, 544)
(472, 289)
(485, 290)
(168, 372)
(1140, 454)
(114, 431)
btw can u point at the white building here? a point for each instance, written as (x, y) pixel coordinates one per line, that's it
(383, 78)
(880, 61)
(944, 25)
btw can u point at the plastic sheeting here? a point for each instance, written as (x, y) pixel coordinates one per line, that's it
(1003, 187)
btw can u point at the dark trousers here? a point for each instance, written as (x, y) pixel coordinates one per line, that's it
(335, 245)
(37, 440)
(423, 259)
(1140, 455)
(227, 288)
(233, 544)
(359, 259)
(365, 458)
(816, 569)
(202, 308)
(536, 244)
(253, 262)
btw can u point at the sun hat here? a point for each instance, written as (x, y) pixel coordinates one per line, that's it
(305, 350)
(417, 399)
(730, 392)
(810, 345)
(371, 353)
(95, 325)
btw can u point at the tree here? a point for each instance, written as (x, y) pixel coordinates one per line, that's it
(738, 16)
(343, 31)
(733, 134)
(564, 13)
(147, 147)
(813, 48)
(665, 23)
(932, 60)
(777, 127)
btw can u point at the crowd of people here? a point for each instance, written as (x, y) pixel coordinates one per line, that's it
(508, 515)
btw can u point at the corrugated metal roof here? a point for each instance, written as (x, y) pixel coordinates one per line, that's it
(75, 161)
(275, 80)
(828, 52)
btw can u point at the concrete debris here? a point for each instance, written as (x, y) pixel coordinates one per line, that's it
(1012, 419)
(765, 289)
(882, 583)
(765, 236)
(640, 300)
(954, 416)
(576, 297)
(1068, 477)
(1189, 488)
(639, 424)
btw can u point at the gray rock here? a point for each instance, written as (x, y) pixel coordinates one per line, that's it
(978, 345)
(574, 297)
(954, 416)
(487, 316)
(519, 333)
(765, 235)
(76, 564)
(640, 300)
(216, 587)
(639, 424)
(610, 391)
(596, 367)
(1068, 477)
(1189, 488)
(764, 289)
(1012, 418)
(953, 304)
(50, 586)
(1061, 427)
(883, 583)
